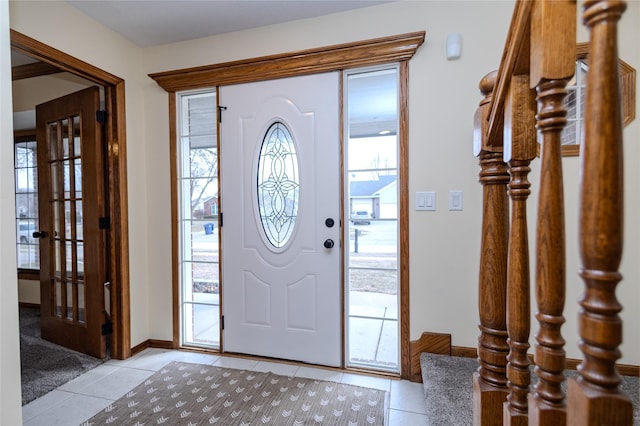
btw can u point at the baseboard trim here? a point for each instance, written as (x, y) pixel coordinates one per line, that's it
(29, 305)
(571, 363)
(436, 343)
(464, 352)
(151, 343)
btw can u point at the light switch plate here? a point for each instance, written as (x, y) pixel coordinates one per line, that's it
(426, 201)
(455, 200)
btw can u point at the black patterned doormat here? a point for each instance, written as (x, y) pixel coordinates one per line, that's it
(194, 394)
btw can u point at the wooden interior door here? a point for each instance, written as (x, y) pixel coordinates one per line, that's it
(72, 203)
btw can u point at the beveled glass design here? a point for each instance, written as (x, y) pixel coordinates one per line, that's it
(278, 184)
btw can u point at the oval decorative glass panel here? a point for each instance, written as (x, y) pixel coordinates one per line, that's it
(278, 184)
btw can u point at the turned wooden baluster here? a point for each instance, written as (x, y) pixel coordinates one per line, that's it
(490, 382)
(595, 397)
(520, 136)
(552, 65)
(548, 401)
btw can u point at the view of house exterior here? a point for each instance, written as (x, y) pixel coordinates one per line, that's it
(377, 197)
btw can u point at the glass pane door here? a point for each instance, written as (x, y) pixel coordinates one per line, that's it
(73, 247)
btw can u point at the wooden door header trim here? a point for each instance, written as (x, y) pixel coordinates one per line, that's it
(37, 69)
(330, 58)
(58, 59)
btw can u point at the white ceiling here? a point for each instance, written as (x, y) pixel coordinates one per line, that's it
(154, 22)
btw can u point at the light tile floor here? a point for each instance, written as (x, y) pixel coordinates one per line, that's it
(81, 398)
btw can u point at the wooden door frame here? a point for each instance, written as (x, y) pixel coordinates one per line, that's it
(392, 49)
(116, 165)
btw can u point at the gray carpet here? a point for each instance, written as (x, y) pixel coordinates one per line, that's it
(448, 389)
(46, 366)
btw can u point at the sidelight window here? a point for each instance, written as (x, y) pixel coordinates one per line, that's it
(198, 219)
(372, 207)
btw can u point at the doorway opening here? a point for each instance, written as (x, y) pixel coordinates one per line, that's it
(44, 60)
(395, 49)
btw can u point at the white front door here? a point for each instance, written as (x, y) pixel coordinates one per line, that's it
(280, 193)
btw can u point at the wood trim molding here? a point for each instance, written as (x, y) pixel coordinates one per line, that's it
(571, 363)
(331, 58)
(119, 213)
(140, 347)
(433, 343)
(117, 178)
(64, 62)
(29, 274)
(627, 83)
(151, 343)
(628, 95)
(36, 69)
(403, 255)
(175, 215)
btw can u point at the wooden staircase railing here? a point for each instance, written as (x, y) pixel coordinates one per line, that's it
(538, 61)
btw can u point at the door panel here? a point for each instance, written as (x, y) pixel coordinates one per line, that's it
(280, 181)
(71, 201)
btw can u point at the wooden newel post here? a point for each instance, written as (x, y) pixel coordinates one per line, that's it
(490, 381)
(595, 397)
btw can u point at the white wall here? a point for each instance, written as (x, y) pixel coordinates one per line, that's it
(443, 97)
(10, 395)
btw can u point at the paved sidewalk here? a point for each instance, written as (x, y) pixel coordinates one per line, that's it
(370, 340)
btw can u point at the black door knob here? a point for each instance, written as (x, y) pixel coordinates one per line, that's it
(39, 234)
(329, 222)
(328, 243)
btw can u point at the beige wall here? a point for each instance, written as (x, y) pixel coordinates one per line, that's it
(95, 44)
(29, 291)
(30, 92)
(10, 396)
(443, 96)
